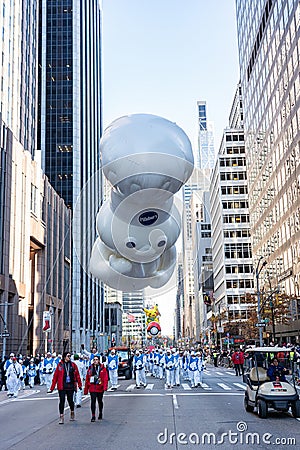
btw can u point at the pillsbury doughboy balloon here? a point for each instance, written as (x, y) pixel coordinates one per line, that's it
(146, 159)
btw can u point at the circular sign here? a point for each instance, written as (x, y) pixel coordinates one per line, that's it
(148, 218)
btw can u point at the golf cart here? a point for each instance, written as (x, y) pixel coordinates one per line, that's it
(262, 393)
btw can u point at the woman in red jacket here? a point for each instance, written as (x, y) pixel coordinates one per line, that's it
(96, 383)
(68, 380)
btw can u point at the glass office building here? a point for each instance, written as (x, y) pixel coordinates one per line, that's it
(69, 134)
(269, 50)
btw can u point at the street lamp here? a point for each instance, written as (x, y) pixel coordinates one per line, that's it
(257, 273)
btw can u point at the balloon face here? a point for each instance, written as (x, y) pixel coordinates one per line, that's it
(146, 159)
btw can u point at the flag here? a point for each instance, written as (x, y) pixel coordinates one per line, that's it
(130, 317)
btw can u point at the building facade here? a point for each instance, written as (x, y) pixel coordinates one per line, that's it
(35, 257)
(269, 53)
(70, 111)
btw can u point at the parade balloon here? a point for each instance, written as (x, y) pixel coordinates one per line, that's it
(153, 328)
(146, 160)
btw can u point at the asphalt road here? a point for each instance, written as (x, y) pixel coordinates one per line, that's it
(153, 418)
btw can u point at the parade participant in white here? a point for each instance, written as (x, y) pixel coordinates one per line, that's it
(24, 369)
(176, 367)
(169, 364)
(14, 375)
(31, 372)
(112, 365)
(49, 367)
(161, 364)
(41, 373)
(82, 372)
(200, 368)
(193, 368)
(139, 368)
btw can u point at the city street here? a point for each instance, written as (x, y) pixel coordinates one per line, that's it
(147, 418)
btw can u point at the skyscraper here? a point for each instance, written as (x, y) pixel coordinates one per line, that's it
(205, 157)
(268, 40)
(69, 134)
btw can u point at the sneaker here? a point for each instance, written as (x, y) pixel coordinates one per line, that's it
(100, 417)
(72, 416)
(93, 419)
(78, 406)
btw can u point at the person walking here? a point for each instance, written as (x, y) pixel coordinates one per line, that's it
(82, 372)
(238, 360)
(113, 363)
(138, 364)
(49, 367)
(67, 379)
(14, 375)
(31, 373)
(96, 383)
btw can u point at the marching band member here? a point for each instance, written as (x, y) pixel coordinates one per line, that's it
(24, 369)
(112, 365)
(200, 368)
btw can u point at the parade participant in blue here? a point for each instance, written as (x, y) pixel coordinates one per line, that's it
(14, 375)
(200, 368)
(151, 362)
(185, 365)
(24, 370)
(156, 363)
(112, 365)
(175, 353)
(31, 373)
(161, 365)
(8, 362)
(169, 365)
(49, 367)
(91, 354)
(138, 364)
(41, 373)
(193, 368)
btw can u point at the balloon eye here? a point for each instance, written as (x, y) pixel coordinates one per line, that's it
(161, 243)
(130, 244)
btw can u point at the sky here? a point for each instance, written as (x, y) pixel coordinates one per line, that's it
(161, 57)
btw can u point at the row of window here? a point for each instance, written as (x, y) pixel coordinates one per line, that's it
(235, 205)
(239, 268)
(239, 284)
(236, 218)
(234, 190)
(237, 234)
(232, 162)
(233, 176)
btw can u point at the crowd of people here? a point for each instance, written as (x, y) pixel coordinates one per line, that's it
(91, 372)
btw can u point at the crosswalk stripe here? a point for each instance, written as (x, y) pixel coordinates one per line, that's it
(207, 373)
(219, 373)
(205, 386)
(224, 386)
(186, 386)
(230, 373)
(130, 387)
(240, 385)
(149, 387)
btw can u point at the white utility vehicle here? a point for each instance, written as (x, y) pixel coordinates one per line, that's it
(261, 393)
